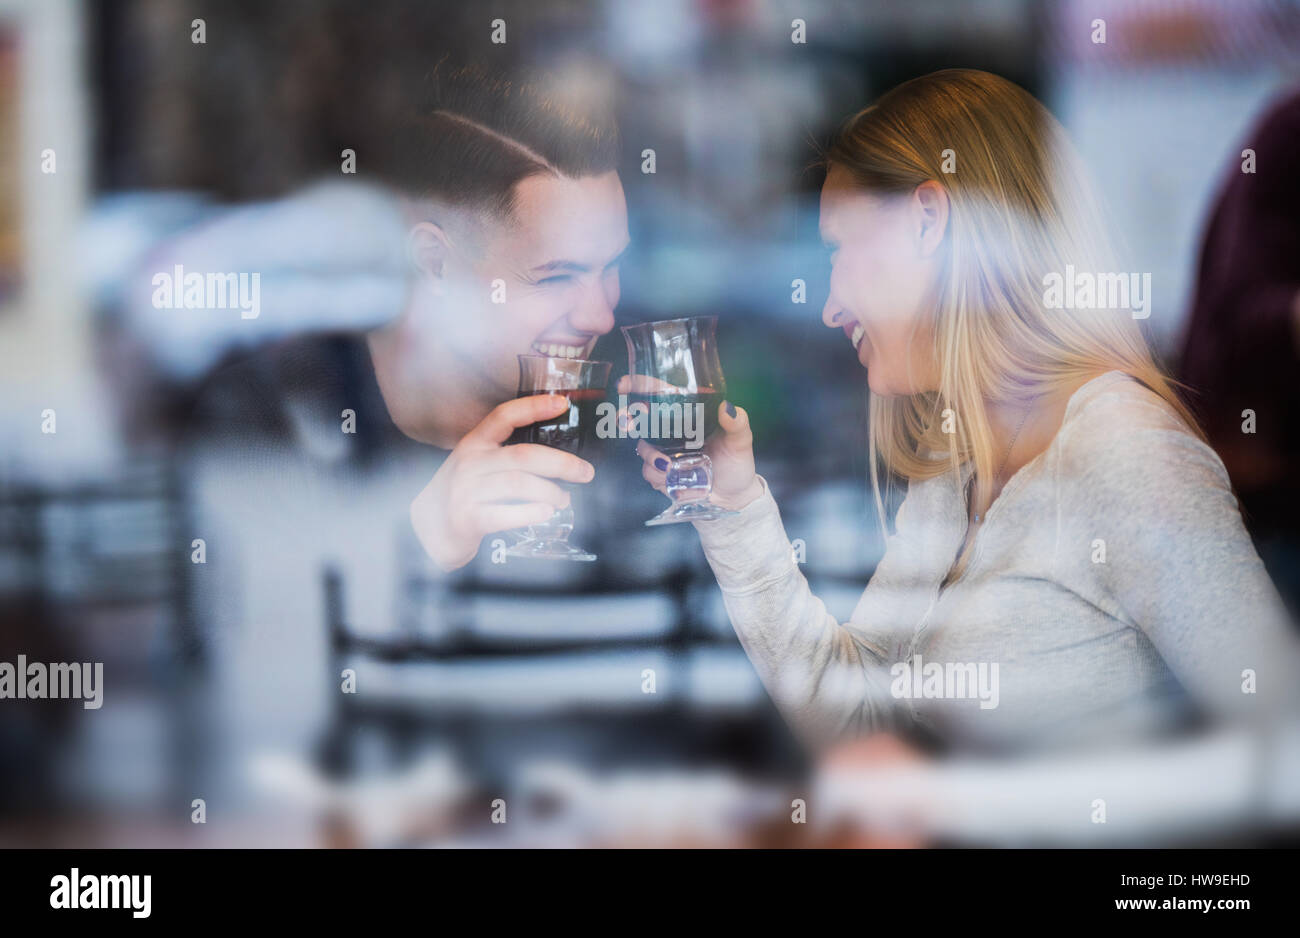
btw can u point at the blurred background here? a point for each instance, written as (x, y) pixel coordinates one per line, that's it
(517, 681)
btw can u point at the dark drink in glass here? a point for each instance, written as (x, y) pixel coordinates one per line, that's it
(673, 426)
(583, 383)
(675, 376)
(572, 430)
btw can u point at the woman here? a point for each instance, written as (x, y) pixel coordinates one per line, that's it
(1069, 564)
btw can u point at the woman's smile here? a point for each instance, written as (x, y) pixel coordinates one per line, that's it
(857, 336)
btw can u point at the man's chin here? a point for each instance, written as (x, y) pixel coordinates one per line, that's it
(503, 387)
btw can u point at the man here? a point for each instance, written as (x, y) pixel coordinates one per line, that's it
(518, 223)
(358, 395)
(371, 398)
(507, 204)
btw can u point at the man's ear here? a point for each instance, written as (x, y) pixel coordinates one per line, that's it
(930, 210)
(429, 248)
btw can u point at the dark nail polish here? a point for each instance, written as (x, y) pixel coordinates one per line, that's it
(731, 410)
(661, 464)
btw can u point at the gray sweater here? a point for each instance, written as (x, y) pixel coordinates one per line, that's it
(1111, 594)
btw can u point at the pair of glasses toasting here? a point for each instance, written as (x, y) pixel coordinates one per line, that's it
(673, 390)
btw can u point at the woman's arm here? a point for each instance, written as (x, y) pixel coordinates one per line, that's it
(828, 679)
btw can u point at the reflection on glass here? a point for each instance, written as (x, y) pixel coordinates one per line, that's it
(676, 387)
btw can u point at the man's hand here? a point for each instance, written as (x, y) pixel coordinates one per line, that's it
(486, 486)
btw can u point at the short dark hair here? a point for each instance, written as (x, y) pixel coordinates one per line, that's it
(474, 136)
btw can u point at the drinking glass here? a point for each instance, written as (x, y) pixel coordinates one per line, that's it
(677, 385)
(583, 383)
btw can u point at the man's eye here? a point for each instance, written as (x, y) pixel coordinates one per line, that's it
(557, 279)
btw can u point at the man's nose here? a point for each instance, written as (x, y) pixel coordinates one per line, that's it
(595, 313)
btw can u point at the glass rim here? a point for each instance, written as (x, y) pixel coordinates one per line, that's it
(665, 322)
(560, 358)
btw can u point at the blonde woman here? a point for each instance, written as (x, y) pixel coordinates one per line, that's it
(1069, 565)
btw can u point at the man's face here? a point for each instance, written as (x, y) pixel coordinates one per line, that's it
(544, 281)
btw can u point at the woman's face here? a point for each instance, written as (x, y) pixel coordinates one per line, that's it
(884, 278)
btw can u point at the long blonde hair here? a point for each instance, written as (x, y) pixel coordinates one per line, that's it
(1020, 208)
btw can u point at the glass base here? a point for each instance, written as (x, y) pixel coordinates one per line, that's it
(549, 550)
(690, 511)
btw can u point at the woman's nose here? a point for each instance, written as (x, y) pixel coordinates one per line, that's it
(833, 314)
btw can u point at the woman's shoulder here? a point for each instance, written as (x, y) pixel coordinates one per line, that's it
(1121, 401)
(1119, 432)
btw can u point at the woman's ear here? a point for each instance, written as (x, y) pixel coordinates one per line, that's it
(930, 211)
(429, 247)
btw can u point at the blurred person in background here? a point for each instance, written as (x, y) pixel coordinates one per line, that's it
(1242, 345)
(1115, 598)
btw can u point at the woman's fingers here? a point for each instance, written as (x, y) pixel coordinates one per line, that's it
(736, 439)
(655, 466)
(733, 420)
(517, 486)
(652, 457)
(657, 478)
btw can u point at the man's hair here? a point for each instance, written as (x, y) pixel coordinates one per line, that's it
(474, 136)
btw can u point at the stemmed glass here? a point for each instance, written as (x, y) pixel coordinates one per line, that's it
(583, 382)
(675, 386)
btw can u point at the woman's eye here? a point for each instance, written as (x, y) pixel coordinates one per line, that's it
(557, 279)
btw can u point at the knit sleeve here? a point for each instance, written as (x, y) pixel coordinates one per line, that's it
(828, 679)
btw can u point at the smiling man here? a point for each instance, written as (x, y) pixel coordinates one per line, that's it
(490, 223)
(517, 224)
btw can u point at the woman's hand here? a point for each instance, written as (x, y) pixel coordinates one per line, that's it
(486, 486)
(731, 451)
